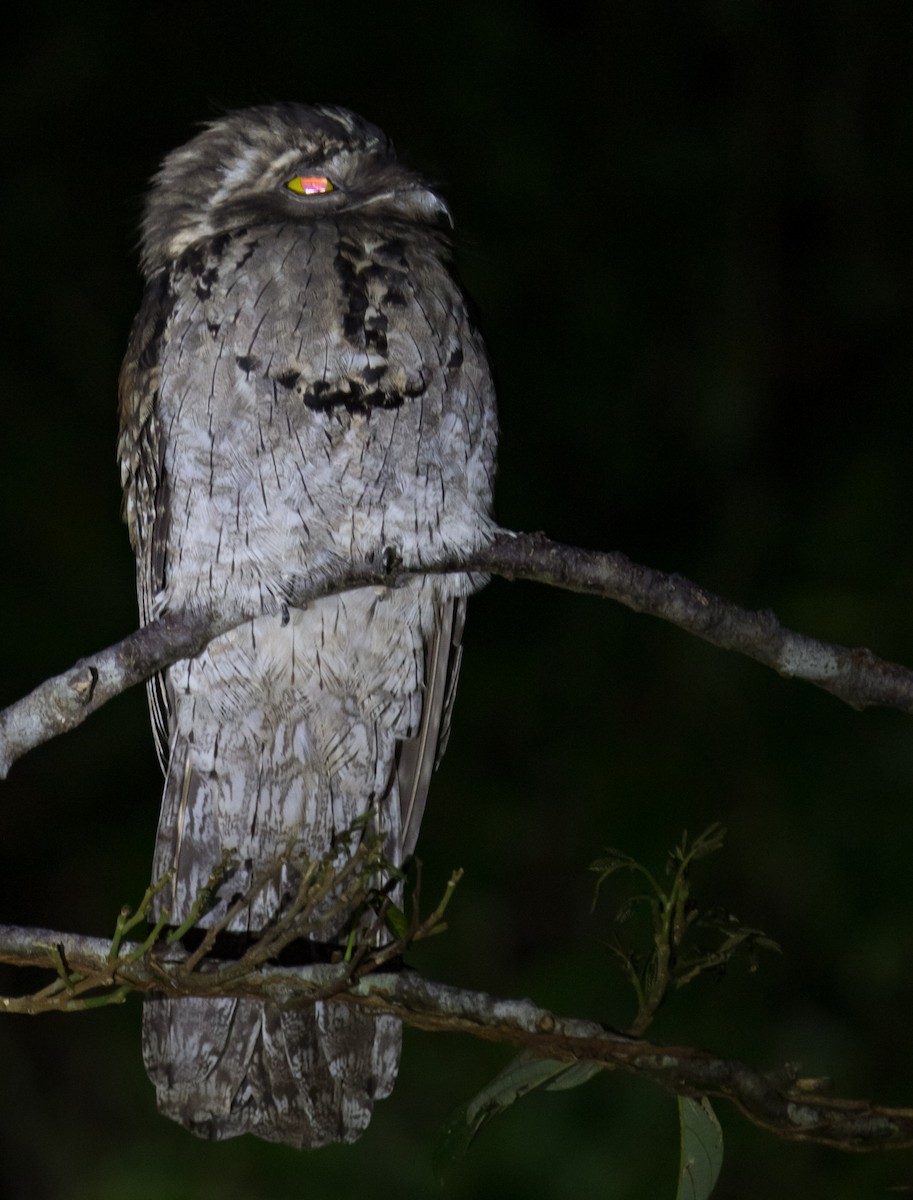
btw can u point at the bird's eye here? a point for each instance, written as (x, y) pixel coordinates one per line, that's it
(309, 185)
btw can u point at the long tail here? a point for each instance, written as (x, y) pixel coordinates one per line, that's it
(306, 1077)
(279, 730)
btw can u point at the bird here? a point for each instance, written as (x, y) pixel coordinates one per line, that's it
(304, 389)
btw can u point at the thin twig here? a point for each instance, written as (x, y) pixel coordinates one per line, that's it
(793, 1109)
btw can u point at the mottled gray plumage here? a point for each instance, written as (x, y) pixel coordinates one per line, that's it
(303, 387)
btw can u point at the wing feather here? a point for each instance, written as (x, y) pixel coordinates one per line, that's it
(418, 757)
(140, 449)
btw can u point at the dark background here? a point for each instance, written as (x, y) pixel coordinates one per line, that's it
(688, 230)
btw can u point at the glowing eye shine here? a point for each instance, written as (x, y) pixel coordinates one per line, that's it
(309, 185)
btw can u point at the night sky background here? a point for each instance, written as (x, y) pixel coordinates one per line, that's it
(687, 228)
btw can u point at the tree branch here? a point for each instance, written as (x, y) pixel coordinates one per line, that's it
(855, 676)
(792, 1108)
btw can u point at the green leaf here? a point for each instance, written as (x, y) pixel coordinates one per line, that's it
(522, 1075)
(397, 922)
(572, 1075)
(701, 1149)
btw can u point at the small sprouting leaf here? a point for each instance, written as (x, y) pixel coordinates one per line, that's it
(701, 1141)
(522, 1075)
(706, 843)
(633, 904)
(767, 943)
(612, 861)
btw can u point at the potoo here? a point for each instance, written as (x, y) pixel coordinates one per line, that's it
(303, 390)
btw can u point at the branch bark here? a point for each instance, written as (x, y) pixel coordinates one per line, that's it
(793, 1109)
(855, 676)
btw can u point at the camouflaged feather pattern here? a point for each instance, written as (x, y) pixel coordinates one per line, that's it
(303, 387)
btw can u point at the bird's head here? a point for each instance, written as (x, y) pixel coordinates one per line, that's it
(282, 162)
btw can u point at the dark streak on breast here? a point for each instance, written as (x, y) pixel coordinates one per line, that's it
(195, 262)
(288, 379)
(251, 247)
(350, 395)
(354, 289)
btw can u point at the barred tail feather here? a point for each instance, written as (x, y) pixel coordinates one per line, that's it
(306, 1077)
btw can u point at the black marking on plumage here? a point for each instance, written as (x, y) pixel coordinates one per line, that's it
(247, 363)
(204, 276)
(251, 247)
(353, 287)
(202, 261)
(350, 395)
(160, 526)
(394, 249)
(376, 333)
(385, 272)
(288, 379)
